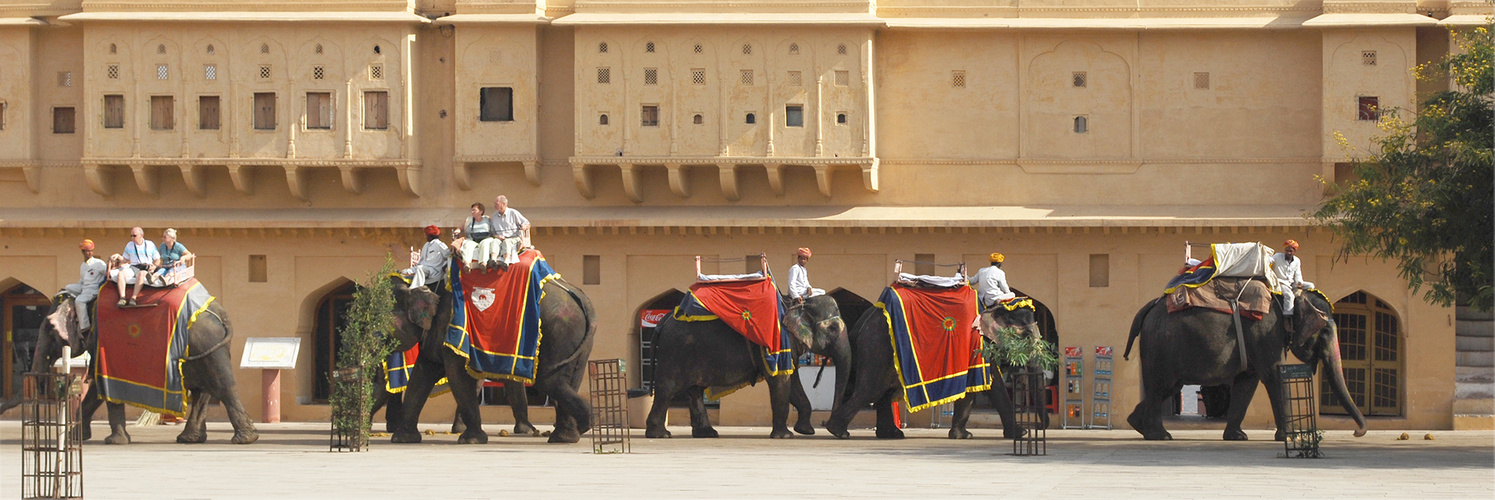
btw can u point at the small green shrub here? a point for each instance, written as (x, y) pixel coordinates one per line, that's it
(1014, 349)
(363, 346)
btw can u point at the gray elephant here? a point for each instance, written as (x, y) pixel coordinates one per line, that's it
(207, 371)
(692, 356)
(875, 380)
(1199, 346)
(393, 402)
(568, 326)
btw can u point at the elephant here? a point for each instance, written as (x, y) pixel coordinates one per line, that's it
(568, 325)
(1199, 346)
(208, 371)
(692, 356)
(875, 380)
(393, 402)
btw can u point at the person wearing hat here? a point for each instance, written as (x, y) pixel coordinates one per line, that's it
(991, 282)
(1289, 271)
(91, 276)
(799, 278)
(431, 267)
(172, 252)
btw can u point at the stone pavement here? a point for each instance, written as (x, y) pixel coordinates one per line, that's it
(291, 461)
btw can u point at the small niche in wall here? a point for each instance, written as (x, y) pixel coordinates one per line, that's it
(697, 119)
(1100, 270)
(591, 269)
(751, 119)
(602, 119)
(1082, 124)
(259, 271)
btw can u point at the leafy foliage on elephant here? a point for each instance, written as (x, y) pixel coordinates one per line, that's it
(364, 344)
(1015, 349)
(1425, 194)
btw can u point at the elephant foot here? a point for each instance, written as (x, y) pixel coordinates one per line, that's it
(1235, 434)
(564, 437)
(836, 429)
(1157, 436)
(804, 428)
(245, 436)
(120, 437)
(404, 437)
(659, 433)
(960, 434)
(1279, 436)
(82, 432)
(705, 432)
(894, 433)
(190, 436)
(473, 436)
(525, 428)
(780, 433)
(458, 427)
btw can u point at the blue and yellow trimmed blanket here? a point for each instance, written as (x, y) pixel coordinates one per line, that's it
(936, 349)
(752, 307)
(496, 317)
(141, 350)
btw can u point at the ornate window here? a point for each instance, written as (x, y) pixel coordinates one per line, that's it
(1370, 350)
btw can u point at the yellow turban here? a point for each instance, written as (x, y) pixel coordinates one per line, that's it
(997, 257)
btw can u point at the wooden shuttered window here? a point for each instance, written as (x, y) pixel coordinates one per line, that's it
(207, 112)
(62, 120)
(319, 111)
(163, 112)
(264, 111)
(496, 104)
(114, 111)
(376, 110)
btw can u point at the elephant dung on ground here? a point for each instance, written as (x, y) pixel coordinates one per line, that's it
(694, 356)
(1198, 346)
(207, 371)
(875, 380)
(568, 325)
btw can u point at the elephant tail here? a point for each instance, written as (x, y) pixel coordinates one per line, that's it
(1137, 328)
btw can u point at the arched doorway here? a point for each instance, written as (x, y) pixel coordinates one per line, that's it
(24, 311)
(1370, 348)
(331, 317)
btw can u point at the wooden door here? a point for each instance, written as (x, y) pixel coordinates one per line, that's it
(24, 311)
(1370, 347)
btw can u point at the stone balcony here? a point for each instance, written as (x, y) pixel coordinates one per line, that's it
(146, 172)
(679, 170)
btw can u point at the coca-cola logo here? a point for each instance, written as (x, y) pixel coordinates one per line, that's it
(650, 318)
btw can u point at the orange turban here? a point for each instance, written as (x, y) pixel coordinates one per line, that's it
(433, 231)
(803, 252)
(86, 245)
(1290, 244)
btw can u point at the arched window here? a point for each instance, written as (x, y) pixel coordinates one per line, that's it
(793, 49)
(602, 120)
(751, 119)
(317, 49)
(264, 48)
(161, 49)
(24, 310)
(697, 119)
(1370, 349)
(1082, 124)
(331, 316)
(210, 49)
(113, 49)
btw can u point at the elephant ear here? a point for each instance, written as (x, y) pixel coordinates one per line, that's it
(422, 308)
(64, 321)
(1311, 321)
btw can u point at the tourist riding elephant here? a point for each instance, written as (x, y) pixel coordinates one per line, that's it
(568, 325)
(875, 380)
(1199, 346)
(693, 356)
(208, 370)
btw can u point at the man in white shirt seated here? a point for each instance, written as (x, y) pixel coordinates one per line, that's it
(799, 278)
(511, 229)
(142, 256)
(431, 267)
(1289, 270)
(991, 282)
(91, 275)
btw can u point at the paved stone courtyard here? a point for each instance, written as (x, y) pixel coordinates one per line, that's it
(291, 461)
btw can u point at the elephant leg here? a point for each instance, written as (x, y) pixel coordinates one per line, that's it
(1279, 401)
(778, 396)
(664, 390)
(573, 412)
(394, 407)
(700, 421)
(801, 403)
(196, 428)
(1003, 403)
(519, 404)
(1241, 392)
(90, 404)
(862, 394)
(464, 390)
(224, 390)
(961, 416)
(417, 391)
(381, 399)
(117, 433)
(886, 428)
(458, 426)
(1147, 417)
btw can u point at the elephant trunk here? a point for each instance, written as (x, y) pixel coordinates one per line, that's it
(1336, 379)
(840, 354)
(46, 351)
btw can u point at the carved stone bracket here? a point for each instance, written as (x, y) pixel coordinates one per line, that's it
(776, 178)
(410, 179)
(462, 166)
(193, 175)
(583, 180)
(823, 179)
(147, 178)
(99, 179)
(631, 181)
(242, 177)
(727, 176)
(296, 180)
(352, 179)
(679, 179)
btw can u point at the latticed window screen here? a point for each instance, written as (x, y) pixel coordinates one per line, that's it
(1368, 58)
(698, 76)
(210, 72)
(113, 71)
(163, 72)
(649, 47)
(317, 73)
(747, 77)
(651, 76)
(1080, 79)
(795, 78)
(841, 49)
(1370, 348)
(376, 72)
(843, 78)
(958, 79)
(265, 72)
(604, 75)
(1201, 80)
